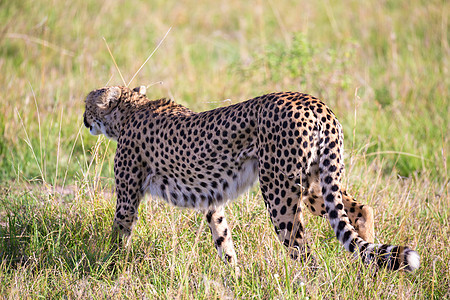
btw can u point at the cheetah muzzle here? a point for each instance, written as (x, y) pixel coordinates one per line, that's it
(291, 142)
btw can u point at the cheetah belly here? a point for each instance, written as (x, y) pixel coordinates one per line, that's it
(246, 178)
(194, 195)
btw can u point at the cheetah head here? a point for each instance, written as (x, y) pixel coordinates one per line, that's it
(104, 112)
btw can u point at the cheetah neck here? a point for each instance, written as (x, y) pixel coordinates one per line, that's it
(165, 105)
(136, 103)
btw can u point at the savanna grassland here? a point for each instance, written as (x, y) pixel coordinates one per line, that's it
(382, 66)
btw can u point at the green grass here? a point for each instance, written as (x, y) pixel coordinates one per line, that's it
(382, 66)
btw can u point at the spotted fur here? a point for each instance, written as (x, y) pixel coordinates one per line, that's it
(291, 142)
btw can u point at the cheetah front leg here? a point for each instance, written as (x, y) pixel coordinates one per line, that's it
(129, 179)
(125, 218)
(221, 234)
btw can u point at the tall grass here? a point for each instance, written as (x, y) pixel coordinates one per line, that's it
(382, 66)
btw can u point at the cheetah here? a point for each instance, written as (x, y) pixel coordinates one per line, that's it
(290, 142)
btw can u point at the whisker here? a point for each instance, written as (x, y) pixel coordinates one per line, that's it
(154, 83)
(110, 78)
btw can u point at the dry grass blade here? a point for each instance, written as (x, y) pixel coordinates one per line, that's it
(41, 42)
(386, 82)
(397, 153)
(189, 262)
(159, 44)
(117, 67)
(30, 145)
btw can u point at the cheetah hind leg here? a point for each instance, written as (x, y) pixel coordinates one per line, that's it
(287, 216)
(360, 215)
(221, 235)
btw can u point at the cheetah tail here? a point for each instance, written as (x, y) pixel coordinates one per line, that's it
(330, 169)
(390, 257)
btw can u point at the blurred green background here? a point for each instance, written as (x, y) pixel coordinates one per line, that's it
(384, 62)
(382, 66)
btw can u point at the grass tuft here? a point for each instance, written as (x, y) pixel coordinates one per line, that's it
(382, 66)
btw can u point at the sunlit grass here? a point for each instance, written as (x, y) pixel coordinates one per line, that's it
(381, 66)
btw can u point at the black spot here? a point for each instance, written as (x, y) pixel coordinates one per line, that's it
(329, 198)
(333, 214)
(346, 236)
(289, 226)
(363, 247)
(228, 258)
(381, 255)
(289, 201)
(219, 241)
(395, 258)
(209, 216)
(352, 246)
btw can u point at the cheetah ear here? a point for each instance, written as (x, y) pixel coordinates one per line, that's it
(141, 89)
(109, 99)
